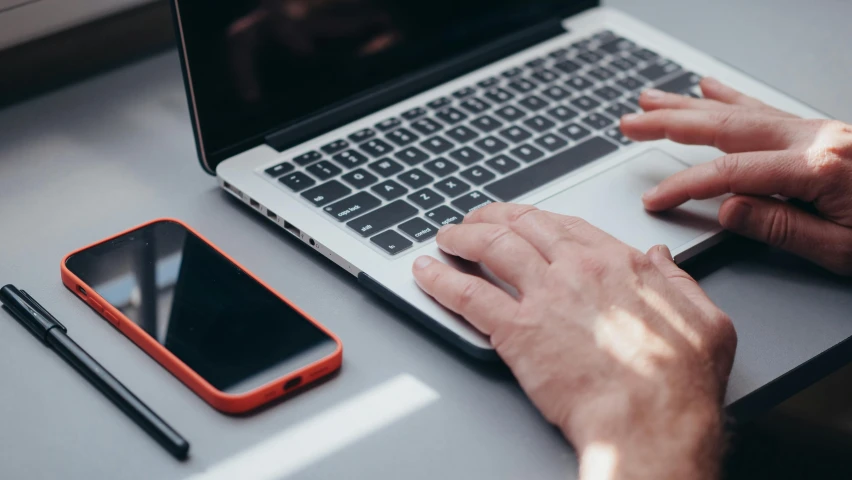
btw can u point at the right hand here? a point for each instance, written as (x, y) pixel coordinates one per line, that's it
(769, 152)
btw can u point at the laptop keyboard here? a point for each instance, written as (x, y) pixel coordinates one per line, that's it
(396, 183)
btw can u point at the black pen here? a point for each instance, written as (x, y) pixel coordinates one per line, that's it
(48, 329)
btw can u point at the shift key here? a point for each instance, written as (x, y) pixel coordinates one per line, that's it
(351, 207)
(378, 220)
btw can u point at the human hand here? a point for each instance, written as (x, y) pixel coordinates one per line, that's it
(769, 152)
(621, 350)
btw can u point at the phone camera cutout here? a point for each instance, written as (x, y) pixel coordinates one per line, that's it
(82, 291)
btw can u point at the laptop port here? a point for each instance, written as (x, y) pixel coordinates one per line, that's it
(271, 214)
(254, 203)
(290, 228)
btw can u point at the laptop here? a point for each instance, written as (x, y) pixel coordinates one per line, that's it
(362, 126)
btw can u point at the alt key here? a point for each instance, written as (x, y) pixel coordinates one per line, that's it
(391, 242)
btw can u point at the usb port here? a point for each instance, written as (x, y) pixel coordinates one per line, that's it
(271, 214)
(290, 228)
(254, 203)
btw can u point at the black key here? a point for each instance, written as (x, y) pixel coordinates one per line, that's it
(539, 123)
(488, 82)
(451, 116)
(522, 85)
(414, 113)
(323, 170)
(386, 167)
(585, 103)
(618, 110)
(567, 66)
(391, 242)
(438, 103)
(437, 144)
(462, 134)
(452, 186)
(416, 178)
(510, 113)
(466, 156)
(545, 76)
(427, 126)
(597, 120)
(633, 99)
(444, 215)
(350, 158)
(471, 202)
(563, 114)
(558, 53)
(490, 145)
(604, 35)
(618, 45)
(478, 175)
(418, 229)
(351, 207)
(335, 146)
(402, 137)
(680, 83)
(382, 218)
(533, 103)
(543, 172)
(412, 155)
(659, 70)
(608, 93)
(601, 73)
(512, 72)
(377, 147)
(645, 54)
(464, 92)
(498, 95)
(359, 178)
(515, 134)
(389, 190)
(574, 132)
(280, 169)
(582, 45)
(326, 193)
(579, 83)
(363, 134)
(308, 157)
(556, 92)
(486, 123)
(631, 83)
(297, 181)
(616, 135)
(475, 105)
(590, 57)
(388, 124)
(441, 167)
(536, 62)
(551, 142)
(622, 64)
(502, 164)
(527, 153)
(425, 198)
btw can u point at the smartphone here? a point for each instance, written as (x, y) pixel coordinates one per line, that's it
(224, 333)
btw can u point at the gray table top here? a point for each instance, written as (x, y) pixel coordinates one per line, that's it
(82, 163)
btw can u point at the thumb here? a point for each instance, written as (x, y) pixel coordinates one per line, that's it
(782, 225)
(661, 256)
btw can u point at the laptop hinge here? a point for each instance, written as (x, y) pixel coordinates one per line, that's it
(385, 95)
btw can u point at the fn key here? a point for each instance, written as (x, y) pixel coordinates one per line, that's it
(391, 242)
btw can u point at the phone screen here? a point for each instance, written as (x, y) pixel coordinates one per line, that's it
(204, 309)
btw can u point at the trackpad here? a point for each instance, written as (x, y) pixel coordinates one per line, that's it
(612, 201)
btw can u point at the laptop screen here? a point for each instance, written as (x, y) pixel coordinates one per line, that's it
(260, 65)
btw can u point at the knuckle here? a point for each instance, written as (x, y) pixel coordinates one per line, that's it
(496, 237)
(523, 213)
(468, 295)
(638, 261)
(727, 166)
(593, 266)
(723, 332)
(778, 228)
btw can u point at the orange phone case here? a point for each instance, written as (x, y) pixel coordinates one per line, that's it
(222, 401)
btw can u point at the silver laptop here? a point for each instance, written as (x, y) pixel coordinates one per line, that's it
(362, 126)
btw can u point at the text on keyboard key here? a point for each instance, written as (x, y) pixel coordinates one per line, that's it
(466, 156)
(486, 123)
(498, 95)
(440, 166)
(377, 147)
(350, 159)
(415, 112)
(326, 193)
(426, 198)
(280, 169)
(461, 134)
(490, 145)
(419, 229)
(411, 155)
(437, 145)
(427, 126)
(359, 178)
(598, 120)
(388, 124)
(323, 170)
(415, 178)
(335, 146)
(533, 103)
(386, 167)
(402, 137)
(352, 206)
(510, 113)
(502, 164)
(477, 175)
(389, 190)
(307, 158)
(297, 181)
(574, 132)
(391, 242)
(527, 153)
(563, 114)
(382, 218)
(362, 135)
(551, 142)
(451, 116)
(452, 186)
(472, 201)
(444, 215)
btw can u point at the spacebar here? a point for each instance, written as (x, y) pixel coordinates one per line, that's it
(545, 171)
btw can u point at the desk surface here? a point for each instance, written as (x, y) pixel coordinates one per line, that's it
(94, 158)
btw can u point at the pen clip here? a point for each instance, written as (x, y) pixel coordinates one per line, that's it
(42, 310)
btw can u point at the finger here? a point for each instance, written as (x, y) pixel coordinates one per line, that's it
(653, 99)
(498, 247)
(784, 226)
(662, 258)
(716, 90)
(728, 130)
(754, 173)
(481, 303)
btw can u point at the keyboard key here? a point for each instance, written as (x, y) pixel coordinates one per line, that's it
(359, 178)
(558, 53)
(621, 64)
(510, 113)
(597, 120)
(386, 167)
(498, 95)
(574, 132)
(515, 134)
(391, 242)
(427, 126)
(350, 159)
(604, 35)
(545, 76)
(601, 73)
(382, 218)
(414, 113)
(402, 137)
(416, 178)
(585, 103)
(512, 72)
(466, 156)
(590, 57)
(280, 169)
(412, 155)
(579, 83)
(451, 116)
(335, 146)
(539, 174)
(307, 158)
(439, 103)
(536, 62)
(418, 229)
(608, 93)
(475, 105)
(437, 145)
(563, 114)
(681, 83)
(556, 93)
(462, 134)
(389, 190)
(464, 92)
(502, 164)
(551, 142)
(488, 82)
(645, 54)
(616, 135)
(326, 193)
(388, 124)
(533, 103)
(631, 84)
(539, 124)
(618, 45)
(452, 186)
(567, 66)
(425, 198)
(471, 202)
(634, 99)
(521, 85)
(441, 167)
(323, 170)
(377, 147)
(582, 45)
(478, 175)
(351, 207)
(659, 70)
(527, 153)
(486, 123)
(618, 110)
(444, 215)
(490, 145)
(363, 134)
(297, 181)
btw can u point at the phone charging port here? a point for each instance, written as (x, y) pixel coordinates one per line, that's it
(293, 382)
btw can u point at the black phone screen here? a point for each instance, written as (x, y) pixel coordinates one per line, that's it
(204, 309)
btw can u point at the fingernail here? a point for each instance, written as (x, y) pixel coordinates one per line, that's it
(446, 227)
(710, 81)
(737, 217)
(650, 193)
(654, 94)
(665, 251)
(422, 262)
(630, 117)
